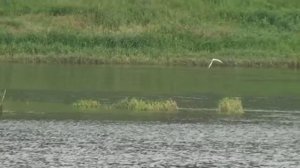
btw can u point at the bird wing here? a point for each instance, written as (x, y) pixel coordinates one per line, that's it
(210, 63)
(214, 59)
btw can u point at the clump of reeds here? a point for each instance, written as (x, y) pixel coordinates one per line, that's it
(133, 104)
(2, 99)
(230, 106)
(86, 105)
(139, 105)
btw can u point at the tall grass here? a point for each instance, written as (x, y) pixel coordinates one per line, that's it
(230, 106)
(139, 105)
(132, 105)
(87, 105)
(1, 102)
(129, 31)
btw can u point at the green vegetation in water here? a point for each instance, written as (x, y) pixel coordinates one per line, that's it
(230, 106)
(2, 100)
(87, 105)
(133, 104)
(239, 32)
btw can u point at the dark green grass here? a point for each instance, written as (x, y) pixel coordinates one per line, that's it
(240, 32)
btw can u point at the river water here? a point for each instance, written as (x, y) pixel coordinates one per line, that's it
(39, 128)
(40, 143)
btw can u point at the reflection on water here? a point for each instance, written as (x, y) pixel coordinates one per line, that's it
(32, 143)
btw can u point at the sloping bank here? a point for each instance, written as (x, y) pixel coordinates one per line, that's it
(239, 32)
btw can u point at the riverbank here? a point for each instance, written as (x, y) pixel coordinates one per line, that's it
(241, 33)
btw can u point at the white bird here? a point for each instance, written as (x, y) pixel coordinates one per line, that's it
(212, 60)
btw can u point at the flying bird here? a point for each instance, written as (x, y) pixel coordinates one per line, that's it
(213, 60)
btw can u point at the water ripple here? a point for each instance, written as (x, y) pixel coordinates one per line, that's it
(31, 143)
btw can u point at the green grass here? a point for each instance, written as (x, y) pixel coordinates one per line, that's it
(87, 105)
(139, 105)
(230, 106)
(240, 32)
(132, 105)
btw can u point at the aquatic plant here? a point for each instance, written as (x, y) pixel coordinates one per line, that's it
(133, 104)
(138, 105)
(2, 99)
(230, 106)
(86, 105)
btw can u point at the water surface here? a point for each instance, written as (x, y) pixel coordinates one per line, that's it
(27, 143)
(40, 128)
(53, 88)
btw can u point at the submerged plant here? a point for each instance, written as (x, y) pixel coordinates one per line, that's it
(135, 104)
(230, 106)
(85, 105)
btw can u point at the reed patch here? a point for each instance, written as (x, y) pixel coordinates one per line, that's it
(230, 106)
(87, 105)
(1, 102)
(135, 104)
(126, 104)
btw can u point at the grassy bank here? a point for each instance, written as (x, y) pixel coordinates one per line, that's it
(240, 32)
